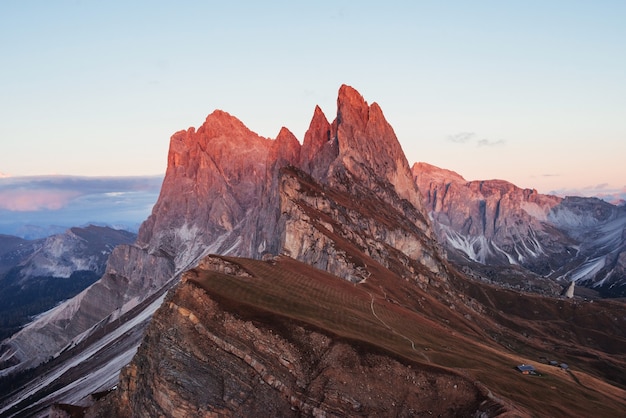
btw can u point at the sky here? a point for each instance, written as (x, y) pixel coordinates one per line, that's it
(39, 206)
(533, 92)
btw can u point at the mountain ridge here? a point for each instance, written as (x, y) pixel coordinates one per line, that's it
(345, 205)
(228, 162)
(493, 222)
(36, 275)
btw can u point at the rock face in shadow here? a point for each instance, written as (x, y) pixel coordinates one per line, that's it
(36, 275)
(131, 276)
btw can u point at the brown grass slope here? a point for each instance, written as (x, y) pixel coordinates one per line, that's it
(364, 313)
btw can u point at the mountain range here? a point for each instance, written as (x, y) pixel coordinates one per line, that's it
(322, 279)
(36, 275)
(497, 224)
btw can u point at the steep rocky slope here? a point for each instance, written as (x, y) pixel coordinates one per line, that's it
(232, 314)
(495, 223)
(241, 337)
(258, 344)
(221, 194)
(37, 275)
(352, 276)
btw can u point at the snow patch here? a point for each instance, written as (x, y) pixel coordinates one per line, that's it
(98, 379)
(588, 269)
(509, 257)
(233, 247)
(476, 248)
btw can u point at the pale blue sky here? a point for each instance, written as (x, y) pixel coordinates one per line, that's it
(533, 92)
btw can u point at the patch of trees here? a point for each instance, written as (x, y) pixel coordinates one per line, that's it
(22, 299)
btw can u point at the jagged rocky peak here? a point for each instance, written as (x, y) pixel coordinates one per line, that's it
(222, 176)
(285, 149)
(220, 132)
(213, 178)
(367, 142)
(319, 148)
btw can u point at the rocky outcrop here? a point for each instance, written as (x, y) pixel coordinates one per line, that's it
(37, 275)
(324, 226)
(78, 249)
(496, 223)
(225, 192)
(238, 361)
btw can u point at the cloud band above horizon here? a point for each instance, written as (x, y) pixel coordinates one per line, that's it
(28, 203)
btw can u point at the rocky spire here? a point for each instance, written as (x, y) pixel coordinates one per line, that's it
(318, 149)
(285, 149)
(368, 146)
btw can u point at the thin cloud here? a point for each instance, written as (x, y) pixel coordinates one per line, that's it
(61, 189)
(35, 199)
(601, 191)
(465, 137)
(461, 137)
(67, 201)
(490, 143)
(550, 175)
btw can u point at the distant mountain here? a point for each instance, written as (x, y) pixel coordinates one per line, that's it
(14, 250)
(495, 223)
(36, 275)
(313, 283)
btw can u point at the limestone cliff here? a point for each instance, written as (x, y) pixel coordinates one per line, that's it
(338, 282)
(495, 223)
(491, 221)
(228, 190)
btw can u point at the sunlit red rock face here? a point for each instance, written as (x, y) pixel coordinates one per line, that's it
(495, 223)
(368, 146)
(491, 221)
(223, 181)
(229, 191)
(345, 203)
(213, 178)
